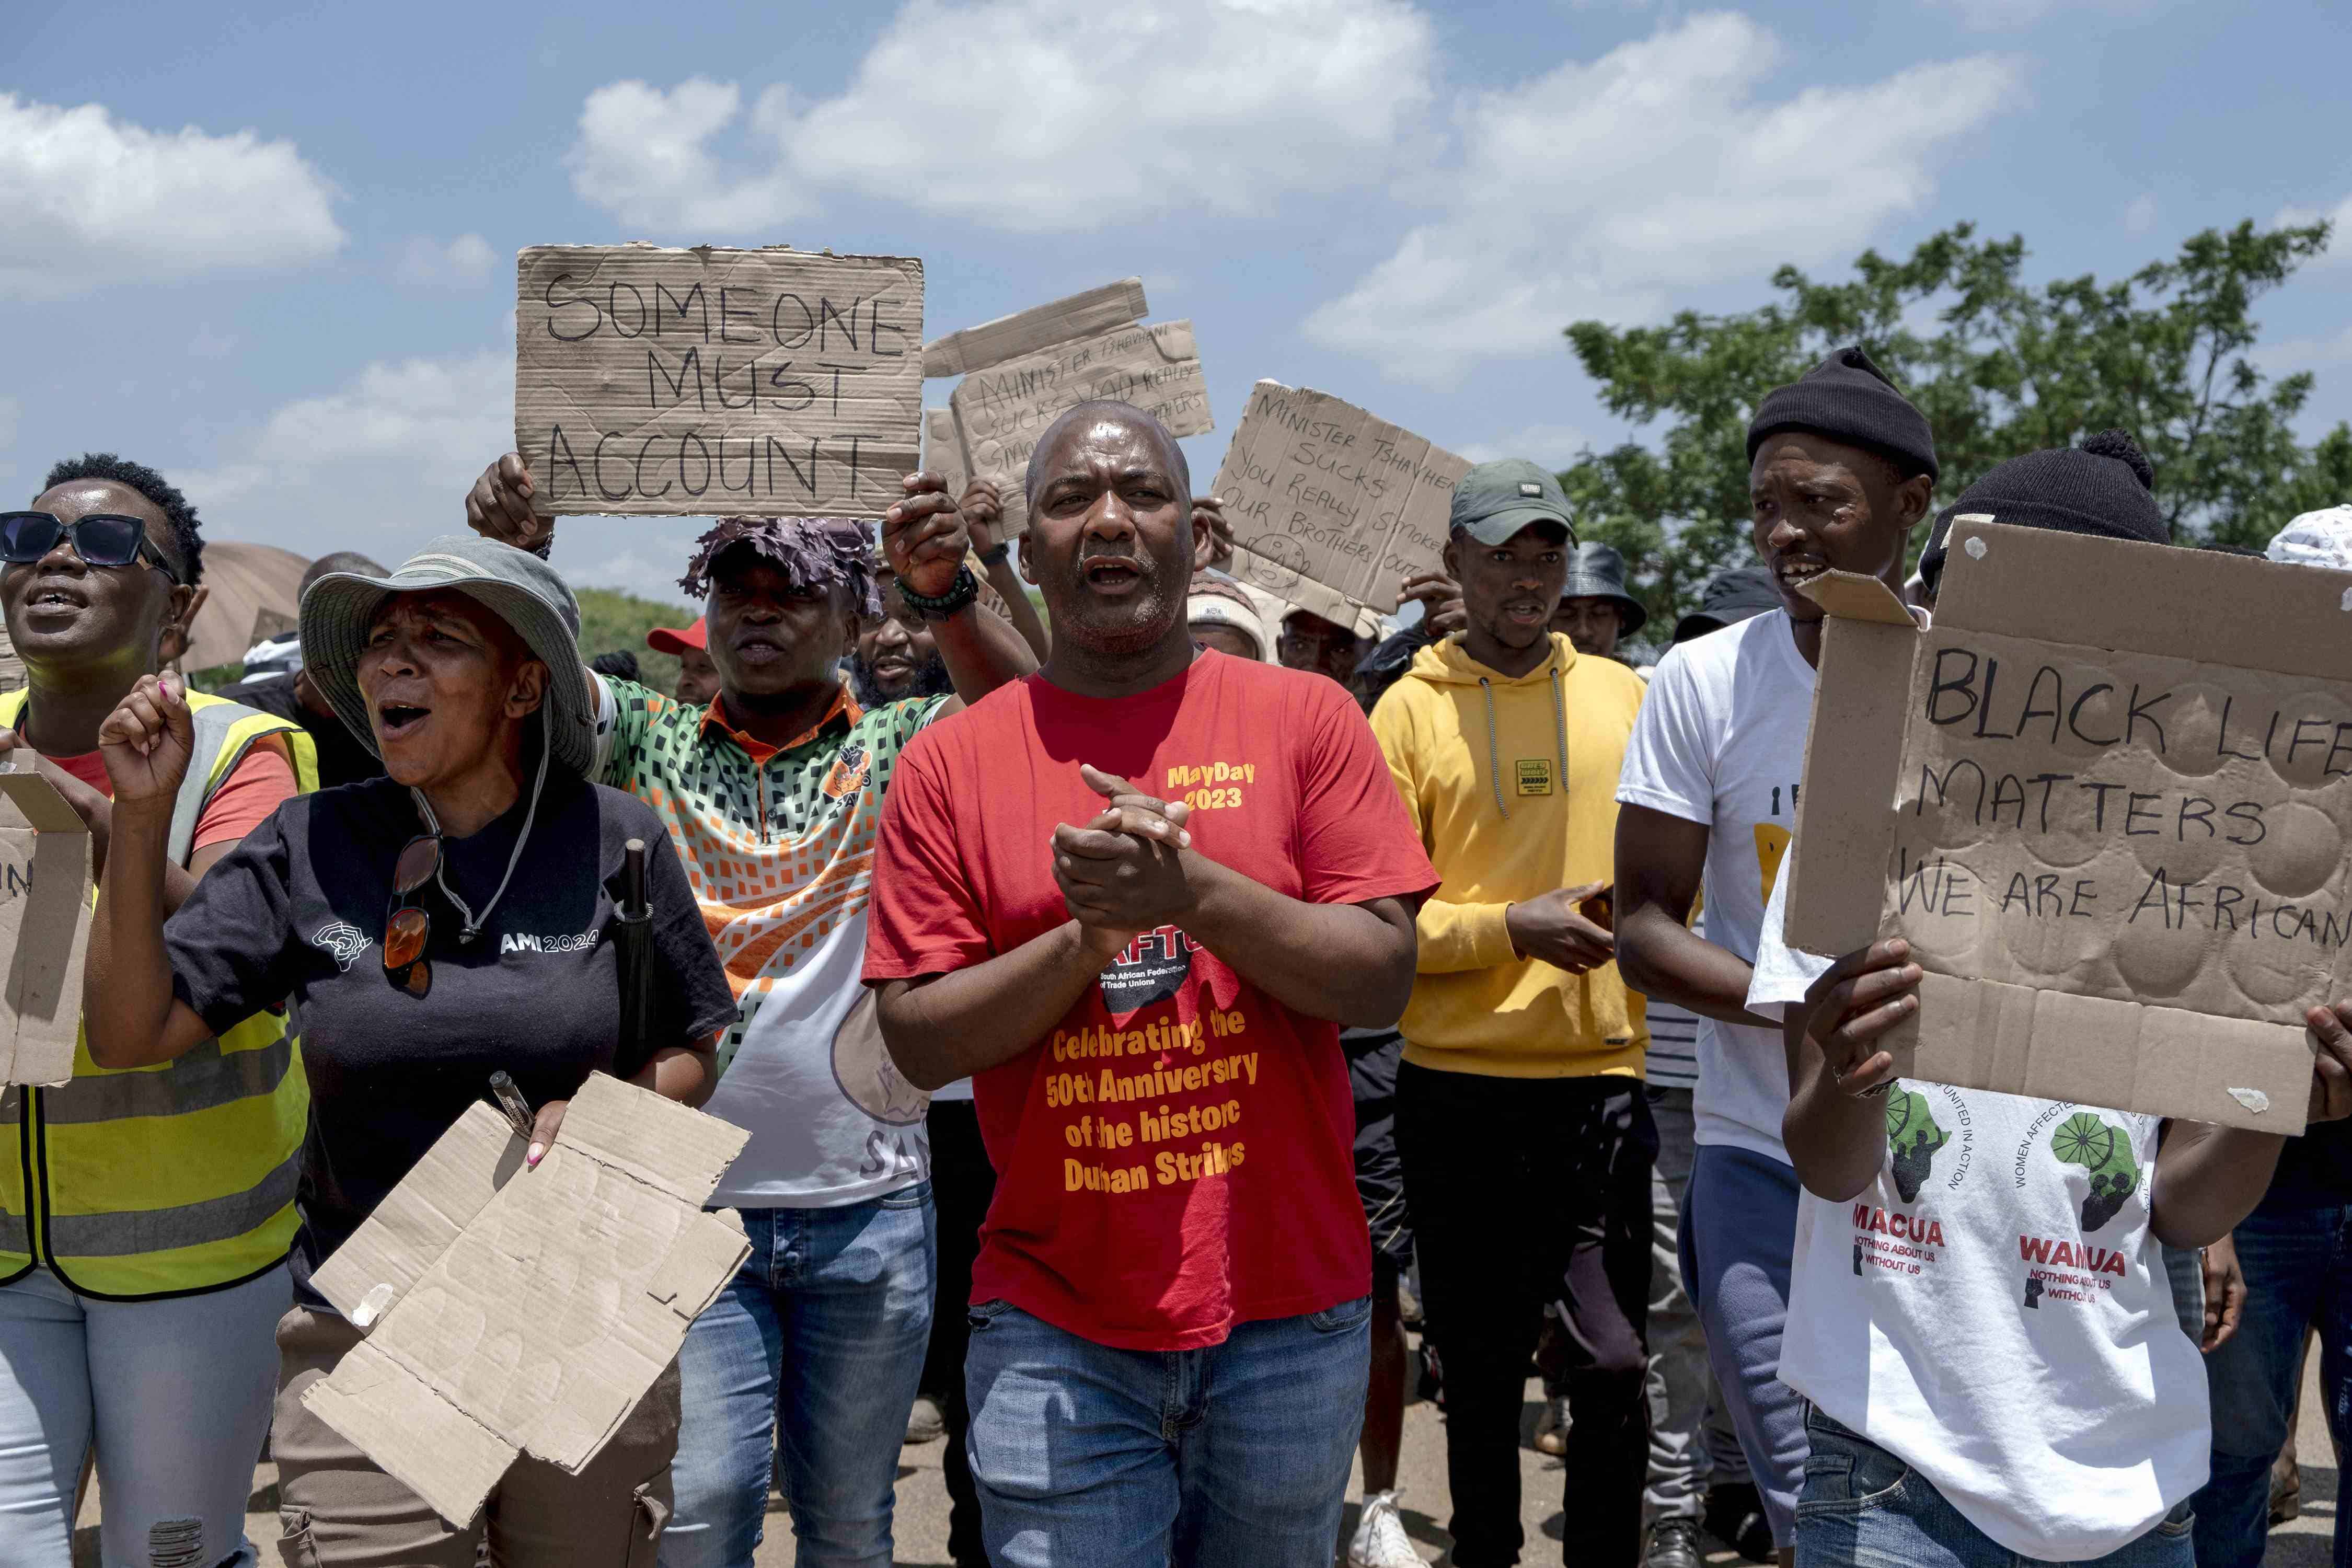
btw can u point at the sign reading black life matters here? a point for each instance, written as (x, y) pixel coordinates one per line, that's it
(772, 382)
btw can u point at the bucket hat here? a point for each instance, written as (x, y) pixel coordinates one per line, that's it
(1597, 572)
(513, 584)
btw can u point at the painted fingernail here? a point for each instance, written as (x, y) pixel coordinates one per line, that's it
(538, 1152)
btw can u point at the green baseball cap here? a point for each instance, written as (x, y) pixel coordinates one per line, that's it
(1495, 501)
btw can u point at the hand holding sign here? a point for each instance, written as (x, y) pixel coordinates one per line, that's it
(923, 536)
(1856, 1000)
(498, 506)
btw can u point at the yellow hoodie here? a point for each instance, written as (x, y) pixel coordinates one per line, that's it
(1478, 758)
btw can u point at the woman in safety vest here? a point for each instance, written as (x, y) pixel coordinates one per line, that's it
(145, 1216)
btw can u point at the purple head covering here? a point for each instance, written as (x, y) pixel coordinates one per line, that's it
(813, 551)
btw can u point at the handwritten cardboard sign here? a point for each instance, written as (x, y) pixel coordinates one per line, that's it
(2107, 799)
(943, 450)
(44, 913)
(509, 1310)
(1039, 327)
(651, 381)
(1003, 410)
(1332, 506)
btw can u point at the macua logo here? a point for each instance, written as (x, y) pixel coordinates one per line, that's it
(1902, 1227)
(524, 942)
(343, 943)
(1150, 969)
(2054, 1254)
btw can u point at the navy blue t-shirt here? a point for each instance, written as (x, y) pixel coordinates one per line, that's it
(297, 909)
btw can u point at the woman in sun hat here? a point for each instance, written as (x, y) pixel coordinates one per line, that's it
(433, 927)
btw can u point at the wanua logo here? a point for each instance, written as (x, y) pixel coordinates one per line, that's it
(524, 942)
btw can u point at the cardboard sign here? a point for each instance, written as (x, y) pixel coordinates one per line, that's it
(1332, 505)
(774, 383)
(45, 910)
(1002, 411)
(2105, 800)
(1039, 327)
(509, 1310)
(943, 450)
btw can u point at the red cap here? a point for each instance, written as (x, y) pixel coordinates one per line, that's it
(672, 640)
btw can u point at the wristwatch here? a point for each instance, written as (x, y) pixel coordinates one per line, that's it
(963, 590)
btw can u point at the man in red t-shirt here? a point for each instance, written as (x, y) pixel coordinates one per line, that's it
(1169, 1308)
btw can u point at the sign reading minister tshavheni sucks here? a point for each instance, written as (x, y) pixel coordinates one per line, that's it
(2107, 799)
(773, 381)
(1331, 505)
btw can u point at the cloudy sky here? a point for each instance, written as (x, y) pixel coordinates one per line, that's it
(274, 256)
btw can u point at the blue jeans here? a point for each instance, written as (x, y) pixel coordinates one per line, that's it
(1739, 1234)
(842, 1299)
(175, 1394)
(2298, 1266)
(1093, 1457)
(1864, 1508)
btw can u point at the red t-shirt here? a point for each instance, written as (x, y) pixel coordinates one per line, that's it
(262, 780)
(1230, 1196)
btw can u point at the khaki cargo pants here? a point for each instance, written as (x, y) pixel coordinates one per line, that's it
(339, 1511)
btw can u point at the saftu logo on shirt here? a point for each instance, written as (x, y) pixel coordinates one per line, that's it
(524, 942)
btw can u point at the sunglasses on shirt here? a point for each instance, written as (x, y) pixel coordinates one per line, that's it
(102, 539)
(406, 926)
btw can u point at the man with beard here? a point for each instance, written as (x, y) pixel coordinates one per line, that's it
(1168, 1349)
(807, 1364)
(1522, 1070)
(896, 657)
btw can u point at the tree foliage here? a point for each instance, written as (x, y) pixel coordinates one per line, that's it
(1999, 366)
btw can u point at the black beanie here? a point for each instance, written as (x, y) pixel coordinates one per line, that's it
(2105, 487)
(1849, 399)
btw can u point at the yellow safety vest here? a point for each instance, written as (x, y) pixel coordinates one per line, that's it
(170, 1180)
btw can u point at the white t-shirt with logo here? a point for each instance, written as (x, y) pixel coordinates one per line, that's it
(1720, 740)
(1993, 1311)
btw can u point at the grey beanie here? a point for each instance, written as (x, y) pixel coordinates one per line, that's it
(513, 584)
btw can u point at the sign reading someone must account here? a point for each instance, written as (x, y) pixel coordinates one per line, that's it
(775, 382)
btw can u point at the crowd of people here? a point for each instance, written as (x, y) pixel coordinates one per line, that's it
(1131, 1007)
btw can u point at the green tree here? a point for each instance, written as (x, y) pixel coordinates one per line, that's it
(611, 620)
(1999, 366)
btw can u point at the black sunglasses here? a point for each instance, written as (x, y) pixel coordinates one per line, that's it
(103, 538)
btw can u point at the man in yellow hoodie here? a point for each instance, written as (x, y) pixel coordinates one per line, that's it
(1526, 1141)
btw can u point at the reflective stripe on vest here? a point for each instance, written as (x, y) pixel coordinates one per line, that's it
(166, 1180)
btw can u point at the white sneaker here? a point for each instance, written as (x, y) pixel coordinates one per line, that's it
(1380, 1540)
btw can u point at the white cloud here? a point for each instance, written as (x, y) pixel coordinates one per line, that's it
(2140, 216)
(1553, 446)
(2293, 354)
(2001, 16)
(463, 263)
(1085, 117)
(643, 157)
(2339, 239)
(210, 344)
(91, 200)
(1594, 190)
(400, 440)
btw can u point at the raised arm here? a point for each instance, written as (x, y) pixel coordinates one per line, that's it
(1661, 860)
(984, 513)
(926, 540)
(129, 1015)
